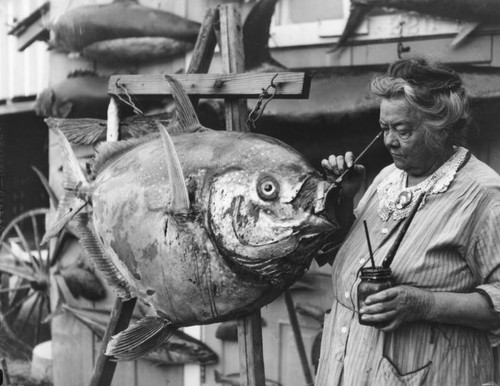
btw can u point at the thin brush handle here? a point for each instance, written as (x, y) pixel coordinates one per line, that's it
(369, 243)
(358, 158)
(392, 252)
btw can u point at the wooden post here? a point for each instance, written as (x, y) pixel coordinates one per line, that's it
(104, 368)
(233, 61)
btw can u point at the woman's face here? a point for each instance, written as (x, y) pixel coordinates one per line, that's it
(404, 137)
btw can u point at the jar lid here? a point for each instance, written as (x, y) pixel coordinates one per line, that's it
(375, 273)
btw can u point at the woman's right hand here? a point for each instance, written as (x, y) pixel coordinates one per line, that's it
(334, 166)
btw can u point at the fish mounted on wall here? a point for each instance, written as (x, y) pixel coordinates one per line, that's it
(85, 95)
(81, 94)
(122, 31)
(472, 11)
(204, 226)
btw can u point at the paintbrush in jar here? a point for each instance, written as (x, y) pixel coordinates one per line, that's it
(392, 252)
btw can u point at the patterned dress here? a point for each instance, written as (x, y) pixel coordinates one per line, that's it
(452, 245)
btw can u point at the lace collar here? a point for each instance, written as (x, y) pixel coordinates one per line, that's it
(395, 199)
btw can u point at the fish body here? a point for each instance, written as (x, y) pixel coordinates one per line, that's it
(82, 26)
(202, 225)
(479, 11)
(129, 204)
(81, 95)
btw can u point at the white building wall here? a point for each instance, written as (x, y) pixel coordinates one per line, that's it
(21, 73)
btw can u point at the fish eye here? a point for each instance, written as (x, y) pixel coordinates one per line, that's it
(268, 188)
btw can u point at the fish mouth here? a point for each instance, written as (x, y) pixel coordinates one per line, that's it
(314, 226)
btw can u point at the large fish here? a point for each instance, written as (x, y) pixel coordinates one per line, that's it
(82, 94)
(121, 30)
(204, 226)
(468, 10)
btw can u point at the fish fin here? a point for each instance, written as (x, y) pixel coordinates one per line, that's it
(256, 33)
(94, 326)
(139, 339)
(186, 117)
(465, 30)
(107, 152)
(74, 183)
(356, 15)
(82, 131)
(180, 198)
(92, 245)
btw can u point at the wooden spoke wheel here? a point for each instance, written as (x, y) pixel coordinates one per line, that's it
(25, 276)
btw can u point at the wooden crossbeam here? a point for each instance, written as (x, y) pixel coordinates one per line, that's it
(293, 85)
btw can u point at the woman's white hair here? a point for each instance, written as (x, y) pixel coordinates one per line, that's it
(434, 93)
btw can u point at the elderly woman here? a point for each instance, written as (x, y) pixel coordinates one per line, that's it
(438, 323)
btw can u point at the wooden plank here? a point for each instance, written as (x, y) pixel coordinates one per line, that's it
(120, 316)
(203, 50)
(251, 352)
(249, 85)
(233, 61)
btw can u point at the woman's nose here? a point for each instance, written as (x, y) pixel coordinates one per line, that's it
(390, 138)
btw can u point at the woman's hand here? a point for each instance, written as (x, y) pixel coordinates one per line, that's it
(334, 166)
(397, 305)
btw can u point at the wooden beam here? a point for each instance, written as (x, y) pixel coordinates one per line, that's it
(250, 349)
(233, 60)
(293, 85)
(104, 368)
(203, 50)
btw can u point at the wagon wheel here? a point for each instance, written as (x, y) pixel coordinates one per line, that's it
(25, 275)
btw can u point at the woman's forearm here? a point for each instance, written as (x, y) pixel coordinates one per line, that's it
(471, 309)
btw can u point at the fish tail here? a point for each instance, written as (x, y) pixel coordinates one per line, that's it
(75, 185)
(139, 339)
(356, 16)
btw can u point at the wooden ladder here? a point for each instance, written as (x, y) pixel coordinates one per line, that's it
(221, 25)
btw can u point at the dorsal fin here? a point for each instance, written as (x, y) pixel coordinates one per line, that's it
(180, 198)
(186, 117)
(107, 152)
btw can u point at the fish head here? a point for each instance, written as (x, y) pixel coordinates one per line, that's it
(267, 216)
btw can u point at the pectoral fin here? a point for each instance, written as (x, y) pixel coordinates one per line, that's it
(139, 339)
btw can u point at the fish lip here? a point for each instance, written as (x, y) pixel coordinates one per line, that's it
(314, 226)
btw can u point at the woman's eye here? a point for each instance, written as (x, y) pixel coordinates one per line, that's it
(268, 188)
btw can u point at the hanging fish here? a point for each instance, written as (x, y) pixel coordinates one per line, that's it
(474, 11)
(82, 94)
(204, 226)
(102, 32)
(256, 33)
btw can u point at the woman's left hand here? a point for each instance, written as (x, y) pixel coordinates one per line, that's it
(397, 305)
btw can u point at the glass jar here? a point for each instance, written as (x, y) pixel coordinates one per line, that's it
(373, 280)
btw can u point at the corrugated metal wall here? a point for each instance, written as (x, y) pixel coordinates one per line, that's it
(21, 73)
